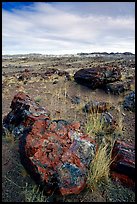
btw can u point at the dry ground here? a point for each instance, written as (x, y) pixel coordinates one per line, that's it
(57, 97)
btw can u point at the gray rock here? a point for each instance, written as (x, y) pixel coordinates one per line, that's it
(118, 87)
(129, 102)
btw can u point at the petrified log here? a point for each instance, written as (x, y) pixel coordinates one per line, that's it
(129, 102)
(97, 77)
(118, 87)
(24, 113)
(123, 162)
(55, 152)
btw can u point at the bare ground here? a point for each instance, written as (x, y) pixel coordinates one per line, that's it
(57, 98)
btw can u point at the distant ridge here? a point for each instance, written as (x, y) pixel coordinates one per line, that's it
(92, 54)
(106, 53)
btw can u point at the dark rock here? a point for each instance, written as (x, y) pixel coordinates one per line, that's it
(35, 74)
(25, 82)
(68, 77)
(95, 106)
(129, 102)
(24, 113)
(55, 82)
(109, 122)
(97, 77)
(118, 87)
(21, 78)
(64, 73)
(75, 100)
(61, 73)
(123, 162)
(56, 153)
(50, 72)
(25, 75)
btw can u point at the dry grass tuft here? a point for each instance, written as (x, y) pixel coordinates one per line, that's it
(120, 119)
(95, 124)
(37, 99)
(9, 137)
(33, 194)
(99, 167)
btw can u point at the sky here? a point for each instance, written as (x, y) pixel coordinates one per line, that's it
(67, 27)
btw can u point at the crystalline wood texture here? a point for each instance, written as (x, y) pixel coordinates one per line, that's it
(123, 165)
(56, 153)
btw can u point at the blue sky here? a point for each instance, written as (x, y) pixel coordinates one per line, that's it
(67, 27)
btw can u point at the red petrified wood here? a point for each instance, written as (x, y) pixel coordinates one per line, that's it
(55, 151)
(123, 165)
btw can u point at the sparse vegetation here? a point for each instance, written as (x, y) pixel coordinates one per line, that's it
(99, 167)
(120, 120)
(33, 194)
(37, 99)
(94, 124)
(9, 137)
(132, 87)
(55, 97)
(98, 129)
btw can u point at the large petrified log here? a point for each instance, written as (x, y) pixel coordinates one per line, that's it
(97, 77)
(123, 163)
(55, 152)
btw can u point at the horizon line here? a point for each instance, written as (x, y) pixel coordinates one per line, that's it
(70, 53)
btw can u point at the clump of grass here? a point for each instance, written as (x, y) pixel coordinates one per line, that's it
(132, 87)
(33, 194)
(95, 125)
(99, 167)
(9, 137)
(71, 77)
(123, 77)
(23, 173)
(120, 120)
(37, 99)
(102, 131)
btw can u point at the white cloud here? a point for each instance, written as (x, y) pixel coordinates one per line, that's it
(48, 28)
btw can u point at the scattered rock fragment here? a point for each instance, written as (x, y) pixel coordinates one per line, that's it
(97, 107)
(129, 101)
(50, 72)
(55, 82)
(109, 122)
(118, 87)
(75, 100)
(25, 75)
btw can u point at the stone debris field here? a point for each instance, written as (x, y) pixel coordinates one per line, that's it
(59, 115)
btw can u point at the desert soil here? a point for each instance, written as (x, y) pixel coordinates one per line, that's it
(56, 93)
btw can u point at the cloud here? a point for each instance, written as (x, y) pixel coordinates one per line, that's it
(57, 29)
